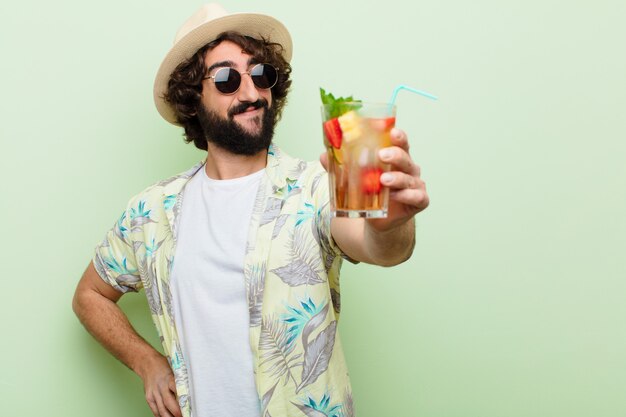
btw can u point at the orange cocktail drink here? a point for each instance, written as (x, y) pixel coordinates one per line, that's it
(353, 136)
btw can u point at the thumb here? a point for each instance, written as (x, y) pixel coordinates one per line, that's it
(324, 160)
(172, 384)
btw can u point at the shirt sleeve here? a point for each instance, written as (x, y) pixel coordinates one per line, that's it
(323, 218)
(115, 259)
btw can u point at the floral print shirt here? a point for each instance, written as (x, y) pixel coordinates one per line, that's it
(291, 273)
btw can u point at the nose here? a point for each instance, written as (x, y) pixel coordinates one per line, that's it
(247, 90)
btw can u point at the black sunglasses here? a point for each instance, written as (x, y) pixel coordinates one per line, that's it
(228, 80)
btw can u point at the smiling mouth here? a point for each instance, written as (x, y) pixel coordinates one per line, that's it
(250, 111)
(248, 108)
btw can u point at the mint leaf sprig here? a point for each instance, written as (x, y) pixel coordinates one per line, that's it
(338, 105)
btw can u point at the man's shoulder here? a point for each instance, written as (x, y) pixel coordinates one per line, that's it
(298, 168)
(164, 189)
(307, 179)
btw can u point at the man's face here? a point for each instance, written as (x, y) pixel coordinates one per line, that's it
(242, 122)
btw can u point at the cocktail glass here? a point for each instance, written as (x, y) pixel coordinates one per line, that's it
(352, 141)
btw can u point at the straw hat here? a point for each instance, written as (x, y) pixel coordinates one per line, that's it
(203, 27)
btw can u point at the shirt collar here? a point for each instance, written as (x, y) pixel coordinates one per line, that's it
(276, 170)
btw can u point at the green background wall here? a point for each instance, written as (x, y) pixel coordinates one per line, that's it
(513, 303)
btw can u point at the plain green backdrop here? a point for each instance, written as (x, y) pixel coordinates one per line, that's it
(513, 302)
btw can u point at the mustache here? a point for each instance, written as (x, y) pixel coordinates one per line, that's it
(242, 107)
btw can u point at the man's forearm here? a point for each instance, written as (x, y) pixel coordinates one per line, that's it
(109, 325)
(390, 247)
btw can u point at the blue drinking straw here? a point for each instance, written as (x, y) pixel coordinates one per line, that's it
(411, 89)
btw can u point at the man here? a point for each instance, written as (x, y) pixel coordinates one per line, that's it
(238, 256)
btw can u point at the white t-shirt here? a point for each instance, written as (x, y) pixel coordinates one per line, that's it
(209, 294)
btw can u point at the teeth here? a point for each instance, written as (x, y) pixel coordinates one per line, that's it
(350, 125)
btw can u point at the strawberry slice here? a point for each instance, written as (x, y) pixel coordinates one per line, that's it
(333, 132)
(370, 180)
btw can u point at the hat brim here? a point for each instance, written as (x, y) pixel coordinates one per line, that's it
(249, 24)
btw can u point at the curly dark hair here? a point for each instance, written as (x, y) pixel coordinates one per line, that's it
(184, 89)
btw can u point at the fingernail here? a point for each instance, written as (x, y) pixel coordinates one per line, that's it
(386, 178)
(385, 154)
(395, 132)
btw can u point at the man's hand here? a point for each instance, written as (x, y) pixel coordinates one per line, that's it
(407, 194)
(95, 305)
(160, 387)
(407, 191)
(387, 241)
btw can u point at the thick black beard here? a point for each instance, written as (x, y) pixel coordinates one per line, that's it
(227, 134)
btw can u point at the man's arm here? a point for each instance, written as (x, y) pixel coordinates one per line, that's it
(366, 244)
(391, 240)
(95, 305)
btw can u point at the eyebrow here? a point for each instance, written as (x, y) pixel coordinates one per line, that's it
(230, 64)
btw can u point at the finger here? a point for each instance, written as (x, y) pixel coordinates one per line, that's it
(161, 406)
(153, 406)
(170, 398)
(399, 138)
(399, 159)
(324, 160)
(400, 180)
(417, 198)
(170, 402)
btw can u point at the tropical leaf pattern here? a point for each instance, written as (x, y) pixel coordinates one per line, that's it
(152, 285)
(324, 407)
(265, 400)
(169, 201)
(277, 350)
(128, 278)
(167, 303)
(316, 321)
(137, 245)
(139, 216)
(293, 187)
(255, 283)
(291, 274)
(304, 266)
(121, 268)
(309, 411)
(317, 355)
(297, 171)
(280, 222)
(298, 272)
(316, 182)
(299, 317)
(307, 213)
(272, 210)
(121, 231)
(152, 247)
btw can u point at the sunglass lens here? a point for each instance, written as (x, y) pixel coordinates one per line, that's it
(264, 75)
(227, 80)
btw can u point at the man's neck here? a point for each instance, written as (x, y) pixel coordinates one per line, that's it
(224, 165)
